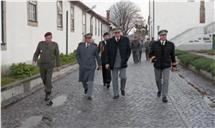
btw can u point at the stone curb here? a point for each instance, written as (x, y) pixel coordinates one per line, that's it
(18, 90)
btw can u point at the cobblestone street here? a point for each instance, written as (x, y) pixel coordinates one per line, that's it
(140, 108)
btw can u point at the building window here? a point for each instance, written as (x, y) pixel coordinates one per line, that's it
(99, 28)
(72, 17)
(32, 12)
(202, 11)
(91, 24)
(60, 14)
(95, 26)
(84, 27)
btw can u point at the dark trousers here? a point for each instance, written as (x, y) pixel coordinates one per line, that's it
(147, 54)
(136, 56)
(140, 52)
(46, 75)
(106, 73)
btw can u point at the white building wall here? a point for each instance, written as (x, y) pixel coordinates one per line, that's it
(0, 27)
(23, 39)
(0, 35)
(76, 36)
(177, 17)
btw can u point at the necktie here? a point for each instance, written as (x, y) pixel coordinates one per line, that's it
(117, 40)
(163, 43)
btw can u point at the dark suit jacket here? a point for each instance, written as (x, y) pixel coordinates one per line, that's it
(164, 54)
(125, 51)
(102, 51)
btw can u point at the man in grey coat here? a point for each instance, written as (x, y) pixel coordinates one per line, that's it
(87, 55)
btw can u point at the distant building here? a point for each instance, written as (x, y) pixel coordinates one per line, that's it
(179, 15)
(23, 25)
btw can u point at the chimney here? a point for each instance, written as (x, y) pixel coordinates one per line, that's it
(202, 11)
(108, 15)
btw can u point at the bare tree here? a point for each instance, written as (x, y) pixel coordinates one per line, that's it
(126, 15)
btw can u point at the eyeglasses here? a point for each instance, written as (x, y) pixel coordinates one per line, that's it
(88, 37)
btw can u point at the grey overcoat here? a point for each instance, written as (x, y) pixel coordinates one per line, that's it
(86, 58)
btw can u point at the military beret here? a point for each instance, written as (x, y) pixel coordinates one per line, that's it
(106, 33)
(117, 29)
(162, 32)
(47, 34)
(88, 35)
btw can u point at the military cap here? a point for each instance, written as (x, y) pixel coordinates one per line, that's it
(162, 32)
(88, 35)
(117, 29)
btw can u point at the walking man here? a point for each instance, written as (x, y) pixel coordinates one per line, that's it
(87, 55)
(135, 47)
(147, 48)
(118, 53)
(162, 53)
(106, 73)
(49, 58)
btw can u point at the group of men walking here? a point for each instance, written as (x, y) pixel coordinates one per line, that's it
(111, 56)
(114, 54)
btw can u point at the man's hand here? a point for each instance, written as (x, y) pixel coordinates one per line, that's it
(99, 67)
(107, 66)
(152, 59)
(174, 67)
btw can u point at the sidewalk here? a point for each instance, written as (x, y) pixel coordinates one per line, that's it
(140, 108)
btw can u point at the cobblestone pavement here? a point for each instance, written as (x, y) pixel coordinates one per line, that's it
(140, 108)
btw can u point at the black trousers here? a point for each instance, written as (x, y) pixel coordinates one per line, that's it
(106, 73)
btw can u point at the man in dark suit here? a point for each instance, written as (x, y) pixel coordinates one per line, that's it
(106, 73)
(162, 53)
(118, 53)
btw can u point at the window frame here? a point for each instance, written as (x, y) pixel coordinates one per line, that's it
(59, 14)
(84, 22)
(72, 17)
(32, 13)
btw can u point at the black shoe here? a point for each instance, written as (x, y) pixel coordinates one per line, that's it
(123, 92)
(89, 98)
(108, 86)
(47, 97)
(50, 103)
(85, 91)
(104, 84)
(164, 99)
(116, 97)
(158, 94)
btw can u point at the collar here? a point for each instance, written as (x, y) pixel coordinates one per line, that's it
(116, 38)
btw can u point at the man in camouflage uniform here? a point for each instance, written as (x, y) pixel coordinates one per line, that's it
(49, 58)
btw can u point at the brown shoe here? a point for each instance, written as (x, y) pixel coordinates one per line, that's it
(116, 97)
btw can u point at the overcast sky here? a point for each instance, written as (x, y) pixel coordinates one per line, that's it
(103, 5)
